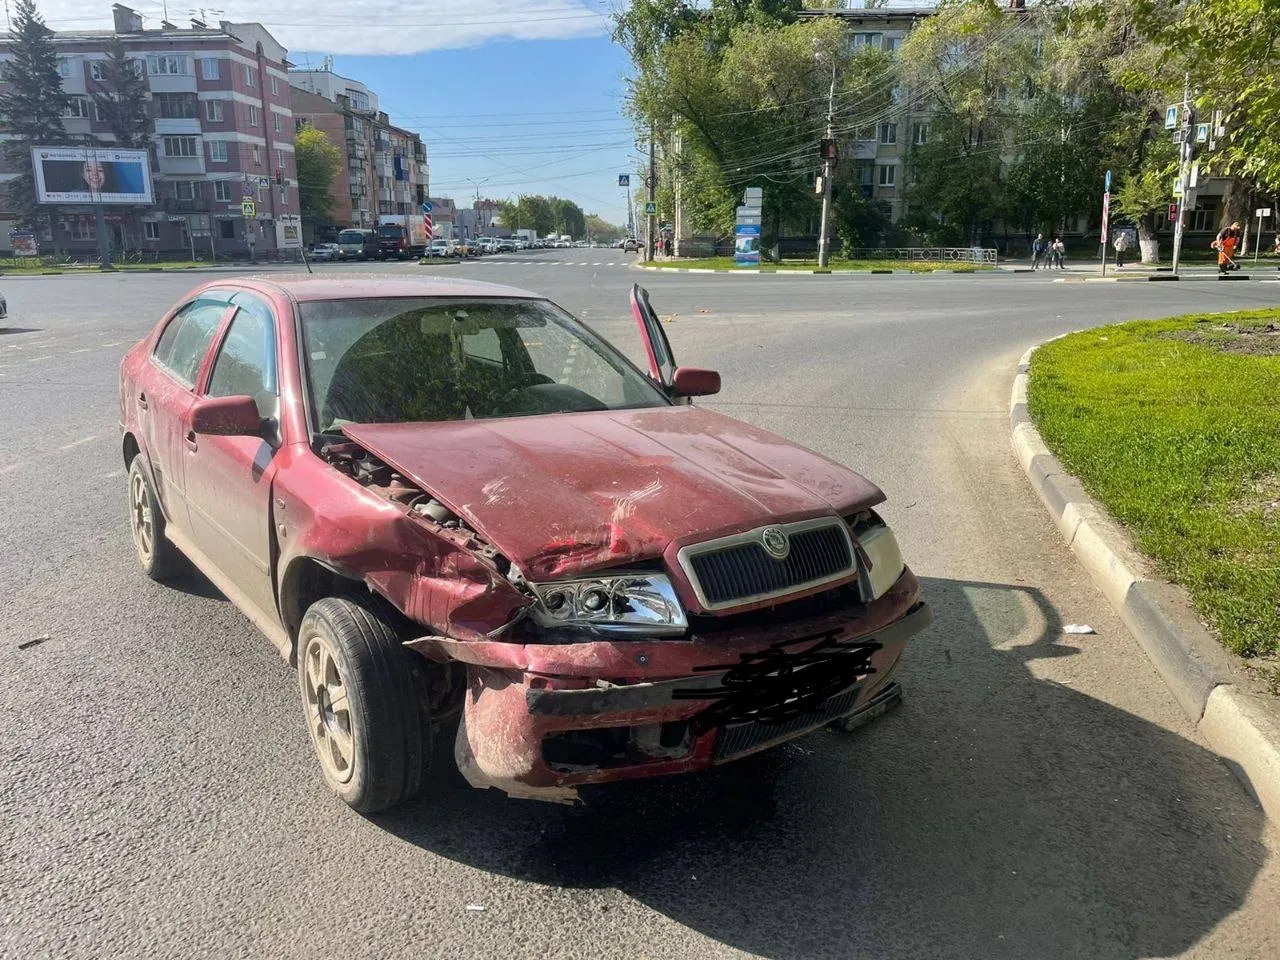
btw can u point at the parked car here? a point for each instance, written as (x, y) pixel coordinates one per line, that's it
(357, 244)
(505, 245)
(4, 307)
(630, 245)
(440, 248)
(324, 251)
(407, 489)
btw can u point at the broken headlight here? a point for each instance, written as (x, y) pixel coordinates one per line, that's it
(884, 565)
(643, 603)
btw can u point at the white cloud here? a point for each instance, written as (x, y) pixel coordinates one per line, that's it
(369, 26)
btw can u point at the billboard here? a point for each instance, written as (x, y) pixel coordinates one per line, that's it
(91, 175)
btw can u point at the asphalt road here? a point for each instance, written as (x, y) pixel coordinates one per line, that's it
(1038, 795)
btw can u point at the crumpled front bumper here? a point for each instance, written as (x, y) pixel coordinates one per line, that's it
(541, 720)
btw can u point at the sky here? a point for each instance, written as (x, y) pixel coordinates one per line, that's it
(511, 97)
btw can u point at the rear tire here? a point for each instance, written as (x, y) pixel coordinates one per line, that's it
(160, 559)
(365, 700)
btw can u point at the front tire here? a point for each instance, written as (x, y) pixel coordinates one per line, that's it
(365, 701)
(160, 559)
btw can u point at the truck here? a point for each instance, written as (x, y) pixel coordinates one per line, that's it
(402, 236)
(529, 236)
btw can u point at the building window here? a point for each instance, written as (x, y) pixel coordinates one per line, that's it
(175, 106)
(892, 44)
(275, 85)
(167, 64)
(209, 68)
(66, 67)
(248, 75)
(275, 119)
(98, 115)
(180, 147)
(359, 99)
(213, 111)
(920, 134)
(77, 108)
(280, 159)
(888, 175)
(227, 229)
(151, 229)
(284, 196)
(1204, 218)
(888, 133)
(299, 124)
(222, 190)
(83, 228)
(861, 40)
(186, 189)
(257, 155)
(218, 151)
(255, 116)
(896, 94)
(96, 68)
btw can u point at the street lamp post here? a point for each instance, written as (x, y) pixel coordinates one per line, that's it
(828, 163)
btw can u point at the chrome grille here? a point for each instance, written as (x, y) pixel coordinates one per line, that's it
(739, 569)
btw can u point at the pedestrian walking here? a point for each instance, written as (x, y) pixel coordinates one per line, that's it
(1059, 251)
(1039, 248)
(1122, 245)
(1226, 243)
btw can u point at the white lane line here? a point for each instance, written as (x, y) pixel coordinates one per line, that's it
(47, 356)
(597, 264)
(76, 443)
(115, 343)
(81, 350)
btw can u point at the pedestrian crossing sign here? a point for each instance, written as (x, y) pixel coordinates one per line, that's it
(650, 209)
(248, 209)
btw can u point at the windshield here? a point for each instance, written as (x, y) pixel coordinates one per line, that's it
(433, 359)
(351, 236)
(389, 230)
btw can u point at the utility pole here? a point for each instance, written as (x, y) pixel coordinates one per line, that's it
(652, 183)
(1187, 118)
(828, 150)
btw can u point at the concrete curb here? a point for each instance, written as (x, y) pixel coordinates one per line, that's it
(1243, 728)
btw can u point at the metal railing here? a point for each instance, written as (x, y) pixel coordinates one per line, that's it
(926, 254)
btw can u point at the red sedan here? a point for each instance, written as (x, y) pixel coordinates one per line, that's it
(454, 502)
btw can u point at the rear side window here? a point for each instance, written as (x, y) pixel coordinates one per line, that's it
(246, 363)
(184, 341)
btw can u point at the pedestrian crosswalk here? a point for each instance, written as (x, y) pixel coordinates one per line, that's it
(539, 262)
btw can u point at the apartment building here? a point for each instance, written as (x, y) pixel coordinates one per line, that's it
(223, 133)
(384, 167)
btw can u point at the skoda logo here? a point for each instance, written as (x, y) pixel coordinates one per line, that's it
(775, 543)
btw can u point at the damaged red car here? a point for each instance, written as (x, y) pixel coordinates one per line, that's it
(453, 503)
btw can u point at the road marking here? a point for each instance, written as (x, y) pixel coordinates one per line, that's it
(597, 264)
(76, 443)
(47, 356)
(113, 474)
(115, 343)
(82, 350)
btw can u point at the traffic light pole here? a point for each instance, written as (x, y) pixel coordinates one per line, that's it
(1187, 119)
(823, 233)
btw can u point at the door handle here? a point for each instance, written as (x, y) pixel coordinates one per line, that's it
(190, 440)
(142, 401)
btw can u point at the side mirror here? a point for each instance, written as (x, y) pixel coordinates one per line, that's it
(695, 382)
(226, 417)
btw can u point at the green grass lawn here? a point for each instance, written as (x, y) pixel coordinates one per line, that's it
(32, 267)
(1174, 425)
(911, 266)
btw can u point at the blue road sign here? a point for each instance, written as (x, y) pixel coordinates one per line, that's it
(426, 206)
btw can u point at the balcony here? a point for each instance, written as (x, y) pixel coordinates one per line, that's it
(170, 205)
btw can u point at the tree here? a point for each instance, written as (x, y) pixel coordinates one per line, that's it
(121, 97)
(33, 104)
(1232, 50)
(600, 229)
(319, 161)
(956, 190)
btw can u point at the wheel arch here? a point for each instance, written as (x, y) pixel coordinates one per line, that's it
(305, 580)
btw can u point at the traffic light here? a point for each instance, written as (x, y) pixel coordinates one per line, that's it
(279, 176)
(1173, 213)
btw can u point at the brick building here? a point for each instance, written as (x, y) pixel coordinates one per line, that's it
(384, 167)
(223, 132)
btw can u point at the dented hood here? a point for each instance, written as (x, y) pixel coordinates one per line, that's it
(569, 493)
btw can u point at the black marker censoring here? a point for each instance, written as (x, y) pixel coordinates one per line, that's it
(774, 685)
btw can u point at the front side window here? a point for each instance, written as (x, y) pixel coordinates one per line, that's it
(246, 362)
(434, 359)
(184, 341)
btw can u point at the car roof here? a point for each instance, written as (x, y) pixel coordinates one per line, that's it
(305, 287)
